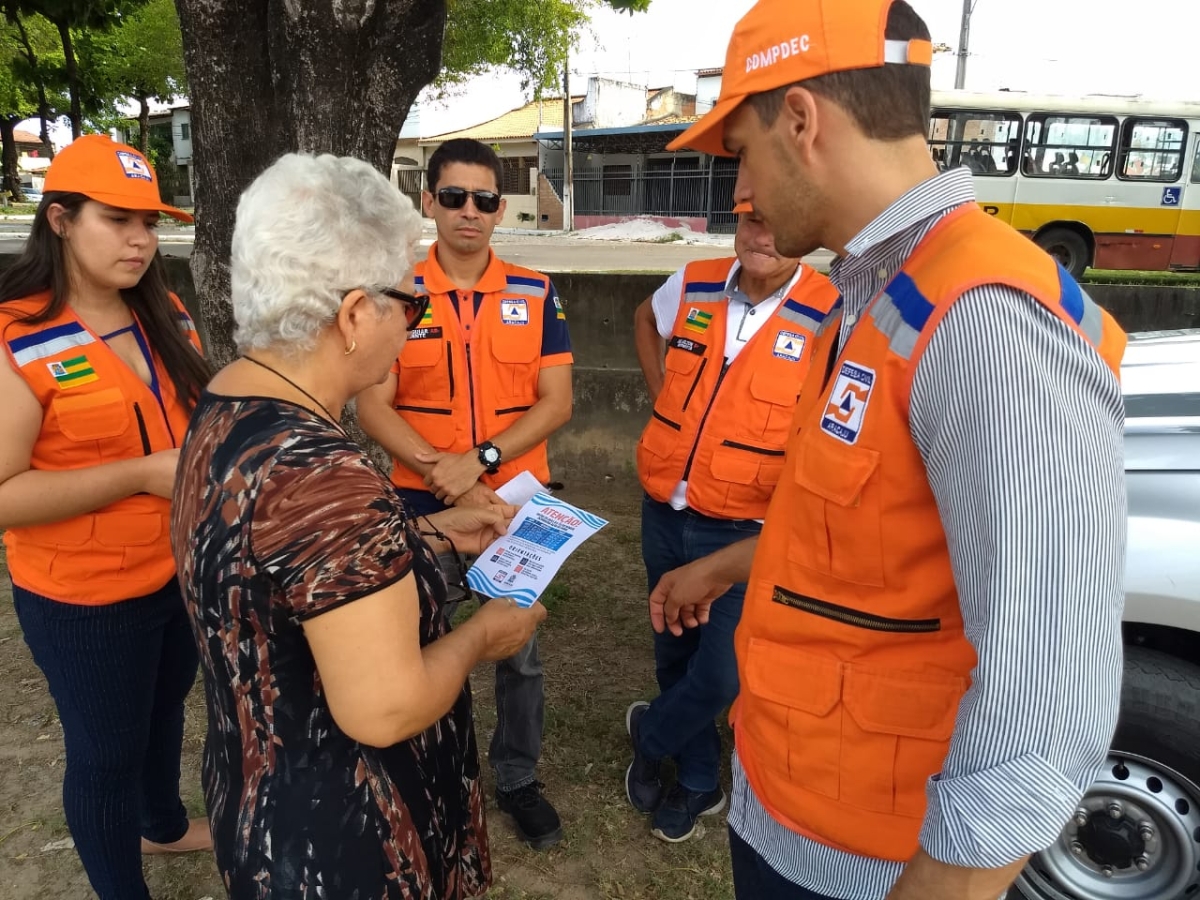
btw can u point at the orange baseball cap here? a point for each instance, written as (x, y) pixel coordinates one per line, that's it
(781, 42)
(108, 172)
(743, 208)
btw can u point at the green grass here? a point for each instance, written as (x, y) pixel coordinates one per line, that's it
(597, 649)
(1131, 276)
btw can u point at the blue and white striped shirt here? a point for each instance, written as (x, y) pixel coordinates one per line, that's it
(1019, 423)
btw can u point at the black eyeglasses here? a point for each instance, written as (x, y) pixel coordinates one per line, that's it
(414, 306)
(456, 198)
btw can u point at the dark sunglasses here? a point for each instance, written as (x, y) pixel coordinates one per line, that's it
(414, 306)
(456, 198)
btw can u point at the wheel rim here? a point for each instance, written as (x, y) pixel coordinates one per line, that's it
(1135, 836)
(1063, 254)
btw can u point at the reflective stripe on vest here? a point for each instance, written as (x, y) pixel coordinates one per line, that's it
(851, 652)
(457, 394)
(95, 411)
(722, 426)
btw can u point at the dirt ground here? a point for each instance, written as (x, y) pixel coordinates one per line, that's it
(597, 651)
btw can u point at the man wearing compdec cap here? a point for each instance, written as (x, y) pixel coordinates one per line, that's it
(724, 345)
(942, 560)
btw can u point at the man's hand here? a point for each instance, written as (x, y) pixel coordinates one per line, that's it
(683, 597)
(473, 528)
(925, 878)
(453, 474)
(479, 495)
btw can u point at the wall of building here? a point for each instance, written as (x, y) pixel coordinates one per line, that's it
(181, 134)
(610, 104)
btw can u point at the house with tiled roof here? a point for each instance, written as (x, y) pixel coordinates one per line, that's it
(512, 135)
(622, 166)
(626, 171)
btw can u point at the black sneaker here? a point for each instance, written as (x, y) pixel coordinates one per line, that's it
(643, 786)
(537, 822)
(675, 820)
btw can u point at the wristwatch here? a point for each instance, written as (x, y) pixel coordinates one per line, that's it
(489, 457)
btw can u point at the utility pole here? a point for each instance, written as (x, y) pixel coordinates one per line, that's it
(568, 195)
(964, 38)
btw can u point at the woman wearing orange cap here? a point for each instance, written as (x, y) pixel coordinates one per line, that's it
(100, 369)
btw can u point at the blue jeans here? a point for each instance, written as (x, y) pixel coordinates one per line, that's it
(119, 675)
(520, 684)
(697, 672)
(754, 879)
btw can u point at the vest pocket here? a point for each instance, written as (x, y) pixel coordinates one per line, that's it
(513, 367)
(797, 719)
(781, 390)
(425, 377)
(836, 521)
(739, 463)
(681, 378)
(659, 442)
(896, 736)
(865, 736)
(93, 416)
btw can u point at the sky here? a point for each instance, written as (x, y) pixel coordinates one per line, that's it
(1049, 46)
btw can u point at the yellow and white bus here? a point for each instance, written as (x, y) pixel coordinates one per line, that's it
(1109, 182)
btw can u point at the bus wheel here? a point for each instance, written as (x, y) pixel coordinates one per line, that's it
(1068, 247)
(1136, 833)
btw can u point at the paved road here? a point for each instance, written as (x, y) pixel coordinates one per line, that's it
(551, 253)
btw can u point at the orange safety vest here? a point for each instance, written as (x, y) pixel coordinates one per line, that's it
(457, 393)
(851, 651)
(95, 411)
(723, 426)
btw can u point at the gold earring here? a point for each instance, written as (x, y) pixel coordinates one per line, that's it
(353, 346)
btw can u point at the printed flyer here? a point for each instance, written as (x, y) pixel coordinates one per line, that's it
(522, 563)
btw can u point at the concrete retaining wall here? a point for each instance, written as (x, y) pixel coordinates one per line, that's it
(611, 405)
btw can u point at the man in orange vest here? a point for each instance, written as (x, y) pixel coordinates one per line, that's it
(930, 645)
(478, 389)
(724, 345)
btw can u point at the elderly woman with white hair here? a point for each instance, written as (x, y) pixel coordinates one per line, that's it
(340, 759)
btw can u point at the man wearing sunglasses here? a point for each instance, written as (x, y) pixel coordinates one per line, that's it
(481, 384)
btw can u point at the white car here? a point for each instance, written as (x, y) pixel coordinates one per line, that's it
(1136, 835)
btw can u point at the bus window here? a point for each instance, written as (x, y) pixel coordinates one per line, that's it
(1196, 165)
(1152, 149)
(988, 143)
(1059, 146)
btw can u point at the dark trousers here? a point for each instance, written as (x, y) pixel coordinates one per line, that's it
(754, 879)
(119, 675)
(697, 671)
(520, 684)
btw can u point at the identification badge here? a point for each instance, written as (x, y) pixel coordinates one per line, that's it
(847, 407)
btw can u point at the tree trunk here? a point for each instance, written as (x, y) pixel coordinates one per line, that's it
(44, 115)
(144, 126)
(8, 139)
(267, 78)
(72, 69)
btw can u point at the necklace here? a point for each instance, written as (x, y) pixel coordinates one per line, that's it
(276, 372)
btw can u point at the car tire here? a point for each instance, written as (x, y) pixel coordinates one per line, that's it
(1153, 776)
(1068, 247)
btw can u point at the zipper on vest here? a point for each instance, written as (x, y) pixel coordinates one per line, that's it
(431, 410)
(450, 366)
(665, 420)
(141, 420)
(696, 383)
(854, 617)
(687, 470)
(752, 449)
(471, 390)
(513, 409)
